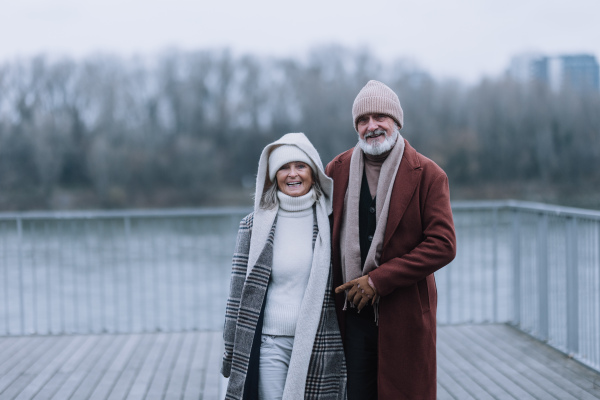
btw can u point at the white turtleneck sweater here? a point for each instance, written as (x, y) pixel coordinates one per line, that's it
(292, 261)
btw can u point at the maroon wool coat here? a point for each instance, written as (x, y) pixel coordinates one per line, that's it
(419, 239)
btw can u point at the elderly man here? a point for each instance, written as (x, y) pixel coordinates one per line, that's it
(392, 229)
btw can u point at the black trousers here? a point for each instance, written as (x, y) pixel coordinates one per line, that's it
(361, 353)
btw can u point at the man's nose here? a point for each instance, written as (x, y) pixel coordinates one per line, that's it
(371, 126)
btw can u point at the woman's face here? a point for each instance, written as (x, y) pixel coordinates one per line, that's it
(294, 178)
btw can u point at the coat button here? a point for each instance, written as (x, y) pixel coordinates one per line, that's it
(370, 237)
(372, 210)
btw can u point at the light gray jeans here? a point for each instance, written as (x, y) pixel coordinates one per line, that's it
(275, 354)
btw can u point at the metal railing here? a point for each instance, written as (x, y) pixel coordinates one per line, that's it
(531, 265)
(124, 271)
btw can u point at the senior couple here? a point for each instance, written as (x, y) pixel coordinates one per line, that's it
(332, 290)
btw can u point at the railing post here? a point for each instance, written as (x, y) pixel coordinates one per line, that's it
(572, 288)
(127, 259)
(4, 253)
(448, 272)
(87, 234)
(516, 247)
(542, 273)
(495, 264)
(48, 287)
(20, 263)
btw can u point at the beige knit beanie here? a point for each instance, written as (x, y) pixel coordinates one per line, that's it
(284, 154)
(377, 98)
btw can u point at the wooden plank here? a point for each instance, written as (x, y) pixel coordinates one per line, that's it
(474, 362)
(476, 365)
(58, 370)
(164, 370)
(28, 347)
(195, 382)
(116, 368)
(15, 379)
(451, 385)
(512, 368)
(572, 370)
(503, 375)
(213, 376)
(28, 378)
(10, 345)
(553, 371)
(78, 376)
(529, 370)
(98, 370)
(552, 368)
(146, 374)
(462, 373)
(128, 375)
(181, 369)
(442, 393)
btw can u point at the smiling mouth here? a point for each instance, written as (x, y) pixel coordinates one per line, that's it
(373, 135)
(294, 184)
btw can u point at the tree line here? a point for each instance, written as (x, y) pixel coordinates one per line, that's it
(185, 128)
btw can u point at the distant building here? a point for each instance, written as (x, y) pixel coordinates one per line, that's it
(578, 71)
(528, 67)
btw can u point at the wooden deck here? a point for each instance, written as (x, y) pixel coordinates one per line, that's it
(500, 362)
(474, 362)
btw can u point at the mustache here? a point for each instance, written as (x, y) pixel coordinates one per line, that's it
(376, 132)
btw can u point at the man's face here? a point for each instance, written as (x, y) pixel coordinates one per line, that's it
(373, 128)
(377, 133)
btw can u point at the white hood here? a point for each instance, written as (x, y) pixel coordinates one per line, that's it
(263, 219)
(301, 141)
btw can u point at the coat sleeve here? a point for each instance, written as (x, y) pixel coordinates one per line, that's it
(329, 168)
(437, 249)
(238, 277)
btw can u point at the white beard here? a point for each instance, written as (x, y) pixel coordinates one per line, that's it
(377, 148)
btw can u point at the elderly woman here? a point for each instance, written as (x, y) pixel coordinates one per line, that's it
(281, 334)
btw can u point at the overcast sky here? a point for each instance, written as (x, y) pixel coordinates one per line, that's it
(464, 39)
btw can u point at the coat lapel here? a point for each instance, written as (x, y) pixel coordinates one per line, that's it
(406, 182)
(341, 180)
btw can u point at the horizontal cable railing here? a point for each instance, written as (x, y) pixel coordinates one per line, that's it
(532, 265)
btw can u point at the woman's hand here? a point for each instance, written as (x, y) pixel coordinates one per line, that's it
(360, 292)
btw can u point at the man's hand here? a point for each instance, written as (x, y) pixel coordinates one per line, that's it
(359, 291)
